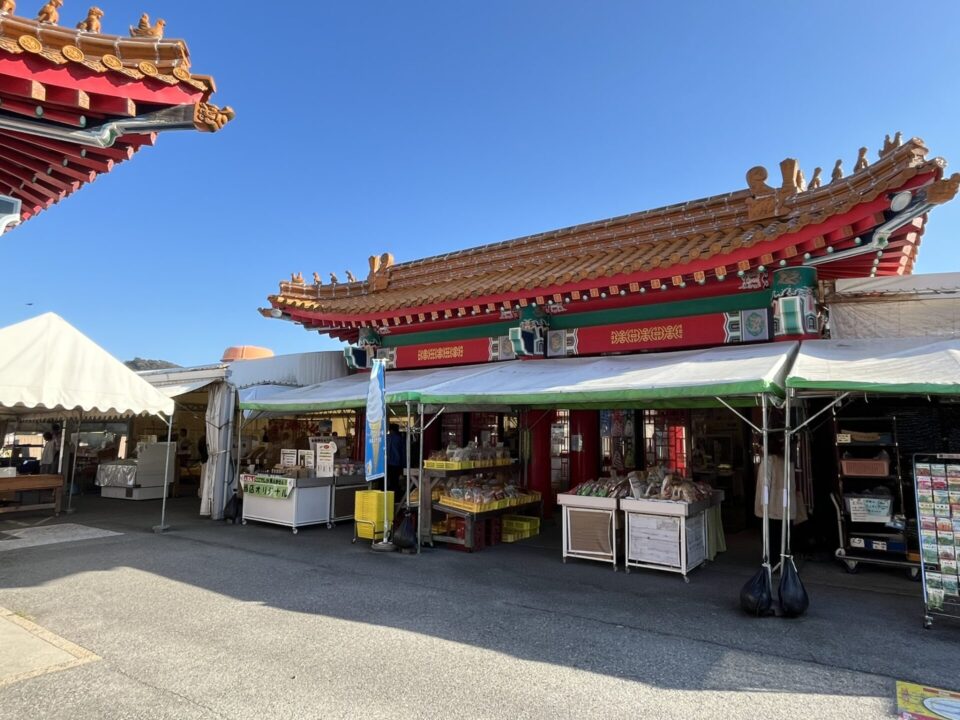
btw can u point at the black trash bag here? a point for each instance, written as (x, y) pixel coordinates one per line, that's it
(756, 596)
(233, 511)
(794, 600)
(405, 529)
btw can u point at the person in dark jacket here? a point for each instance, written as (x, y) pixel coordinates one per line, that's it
(396, 458)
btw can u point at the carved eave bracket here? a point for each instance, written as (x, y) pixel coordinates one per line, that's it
(207, 117)
(944, 190)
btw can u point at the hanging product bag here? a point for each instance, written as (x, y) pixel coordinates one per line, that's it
(794, 600)
(756, 597)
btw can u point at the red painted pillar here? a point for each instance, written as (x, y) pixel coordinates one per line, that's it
(538, 473)
(585, 463)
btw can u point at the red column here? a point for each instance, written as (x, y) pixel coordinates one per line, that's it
(538, 474)
(585, 464)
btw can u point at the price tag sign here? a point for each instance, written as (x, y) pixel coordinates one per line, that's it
(856, 542)
(325, 453)
(843, 439)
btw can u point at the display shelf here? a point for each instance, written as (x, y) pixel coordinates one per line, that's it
(470, 518)
(458, 472)
(863, 539)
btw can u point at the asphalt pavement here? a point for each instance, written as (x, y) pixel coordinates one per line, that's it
(212, 620)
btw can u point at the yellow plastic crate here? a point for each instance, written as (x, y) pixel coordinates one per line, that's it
(515, 535)
(448, 464)
(368, 513)
(521, 523)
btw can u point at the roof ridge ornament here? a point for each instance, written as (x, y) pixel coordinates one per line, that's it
(49, 13)
(862, 162)
(379, 277)
(767, 202)
(8, 6)
(890, 145)
(837, 173)
(91, 23)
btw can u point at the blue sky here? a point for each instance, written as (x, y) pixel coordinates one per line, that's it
(421, 127)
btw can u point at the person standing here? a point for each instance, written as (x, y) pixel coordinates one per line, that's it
(396, 459)
(48, 456)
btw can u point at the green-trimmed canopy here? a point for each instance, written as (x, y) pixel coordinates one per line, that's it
(677, 379)
(900, 366)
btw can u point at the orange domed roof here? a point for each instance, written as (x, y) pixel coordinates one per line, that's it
(245, 352)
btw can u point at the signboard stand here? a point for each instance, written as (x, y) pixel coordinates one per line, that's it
(937, 488)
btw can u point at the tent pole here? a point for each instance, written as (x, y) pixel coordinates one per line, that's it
(425, 488)
(163, 527)
(73, 469)
(836, 401)
(787, 485)
(406, 497)
(766, 483)
(740, 415)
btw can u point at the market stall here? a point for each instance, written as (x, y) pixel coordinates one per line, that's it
(875, 501)
(729, 377)
(48, 369)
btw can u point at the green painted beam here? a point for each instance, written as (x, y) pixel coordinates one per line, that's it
(435, 336)
(681, 308)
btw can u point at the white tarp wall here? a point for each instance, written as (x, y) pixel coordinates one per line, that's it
(893, 307)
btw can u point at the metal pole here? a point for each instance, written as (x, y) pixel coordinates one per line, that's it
(787, 485)
(406, 497)
(163, 527)
(766, 482)
(73, 469)
(426, 489)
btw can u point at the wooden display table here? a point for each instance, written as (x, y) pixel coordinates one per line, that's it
(23, 483)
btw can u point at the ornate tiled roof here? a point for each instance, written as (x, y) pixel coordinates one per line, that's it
(703, 238)
(83, 79)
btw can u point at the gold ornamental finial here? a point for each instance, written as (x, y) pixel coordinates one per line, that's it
(296, 278)
(316, 279)
(49, 13)
(146, 30)
(91, 23)
(837, 173)
(815, 180)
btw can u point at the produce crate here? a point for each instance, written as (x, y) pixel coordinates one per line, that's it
(521, 523)
(448, 464)
(865, 468)
(517, 535)
(368, 513)
(869, 508)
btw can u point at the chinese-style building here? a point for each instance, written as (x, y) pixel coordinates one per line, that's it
(734, 268)
(74, 101)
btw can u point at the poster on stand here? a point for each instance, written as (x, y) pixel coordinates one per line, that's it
(939, 525)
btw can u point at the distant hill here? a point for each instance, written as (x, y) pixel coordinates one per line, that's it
(139, 364)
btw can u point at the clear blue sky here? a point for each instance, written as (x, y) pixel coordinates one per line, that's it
(420, 127)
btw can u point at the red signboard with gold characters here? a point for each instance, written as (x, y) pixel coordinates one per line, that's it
(690, 331)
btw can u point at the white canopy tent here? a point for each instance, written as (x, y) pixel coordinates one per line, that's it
(48, 368)
(904, 366)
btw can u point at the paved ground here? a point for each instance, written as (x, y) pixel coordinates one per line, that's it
(252, 622)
